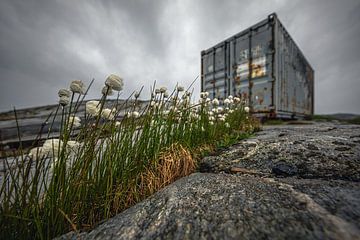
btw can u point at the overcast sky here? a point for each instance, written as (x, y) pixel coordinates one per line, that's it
(46, 44)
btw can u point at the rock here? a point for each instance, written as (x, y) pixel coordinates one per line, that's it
(312, 152)
(312, 147)
(223, 206)
(342, 148)
(284, 169)
(316, 198)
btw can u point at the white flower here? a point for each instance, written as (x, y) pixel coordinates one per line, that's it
(211, 118)
(194, 116)
(64, 92)
(157, 91)
(157, 105)
(52, 146)
(247, 109)
(166, 94)
(227, 101)
(136, 94)
(204, 95)
(152, 104)
(202, 129)
(106, 90)
(108, 114)
(64, 100)
(73, 145)
(211, 123)
(135, 114)
(210, 113)
(208, 100)
(215, 110)
(36, 153)
(74, 121)
(163, 89)
(215, 101)
(237, 100)
(77, 86)
(117, 124)
(115, 82)
(222, 119)
(230, 97)
(227, 125)
(231, 111)
(92, 108)
(220, 109)
(166, 112)
(180, 88)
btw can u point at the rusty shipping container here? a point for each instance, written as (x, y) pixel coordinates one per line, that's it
(263, 65)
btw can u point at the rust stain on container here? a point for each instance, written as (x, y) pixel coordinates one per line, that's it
(263, 65)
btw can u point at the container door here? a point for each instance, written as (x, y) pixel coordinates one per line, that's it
(261, 80)
(252, 76)
(215, 72)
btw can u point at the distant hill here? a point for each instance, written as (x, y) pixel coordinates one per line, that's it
(343, 117)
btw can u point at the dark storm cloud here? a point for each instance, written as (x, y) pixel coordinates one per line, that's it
(46, 44)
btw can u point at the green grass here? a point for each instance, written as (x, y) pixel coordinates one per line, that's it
(79, 180)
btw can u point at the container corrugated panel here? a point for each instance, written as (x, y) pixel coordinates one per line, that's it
(263, 66)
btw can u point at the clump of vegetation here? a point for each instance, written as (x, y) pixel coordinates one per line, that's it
(111, 158)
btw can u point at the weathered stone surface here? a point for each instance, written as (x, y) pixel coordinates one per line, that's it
(241, 196)
(321, 150)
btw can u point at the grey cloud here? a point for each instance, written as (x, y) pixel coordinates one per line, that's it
(46, 44)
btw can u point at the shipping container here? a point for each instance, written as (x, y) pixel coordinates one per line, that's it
(264, 66)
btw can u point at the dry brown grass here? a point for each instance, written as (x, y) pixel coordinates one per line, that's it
(174, 162)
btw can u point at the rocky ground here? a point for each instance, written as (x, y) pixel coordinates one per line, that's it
(287, 182)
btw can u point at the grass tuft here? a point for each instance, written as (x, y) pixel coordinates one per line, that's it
(112, 157)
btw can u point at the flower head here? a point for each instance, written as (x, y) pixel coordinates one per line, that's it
(52, 146)
(73, 146)
(115, 82)
(36, 153)
(106, 90)
(215, 102)
(64, 92)
(74, 121)
(180, 88)
(163, 89)
(136, 94)
(108, 114)
(135, 114)
(64, 100)
(247, 109)
(77, 86)
(227, 101)
(237, 100)
(92, 108)
(204, 95)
